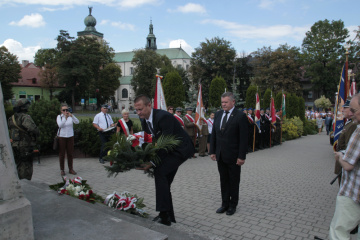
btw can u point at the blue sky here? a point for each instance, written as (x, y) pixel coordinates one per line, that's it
(28, 25)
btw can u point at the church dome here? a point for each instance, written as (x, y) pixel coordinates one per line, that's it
(90, 21)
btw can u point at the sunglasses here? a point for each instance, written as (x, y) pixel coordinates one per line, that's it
(171, 109)
(65, 110)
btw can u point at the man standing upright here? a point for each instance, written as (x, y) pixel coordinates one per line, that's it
(229, 143)
(347, 210)
(101, 122)
(190, 127)
(158, 122)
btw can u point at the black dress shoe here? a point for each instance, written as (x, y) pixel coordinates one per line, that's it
(222, 209)
(164, 218)
(230, 211)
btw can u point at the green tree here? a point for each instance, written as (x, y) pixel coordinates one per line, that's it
(108, 82)
(278, 100)
(250, 97)
(217, 88)
(9, 72)
(322, 102)
(147, 62)
(174, 89)
(214, 57)
(301, 109)
(44, 114)
(292, 106)
(277, 70)
(323, 54)
(265, 103)
(243, 74)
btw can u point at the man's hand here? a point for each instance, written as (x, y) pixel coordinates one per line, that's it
(213, 157)
(240, 162)
(338, 155)
(145, 167)
(100, 129)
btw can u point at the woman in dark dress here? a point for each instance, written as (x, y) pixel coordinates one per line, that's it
(125, 125)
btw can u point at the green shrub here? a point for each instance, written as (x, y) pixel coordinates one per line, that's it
(87, 138)
(8, 110)
(44, 114)
(293, 128)
(310, 127)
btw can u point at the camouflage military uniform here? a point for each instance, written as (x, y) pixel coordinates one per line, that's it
(23, 140)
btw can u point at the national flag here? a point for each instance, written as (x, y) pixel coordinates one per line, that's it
(273, 112)
(283, 107)
(341, 97)
(257, 111)
(199, 112)
(159, 100)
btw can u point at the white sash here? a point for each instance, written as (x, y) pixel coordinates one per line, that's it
(125, 127)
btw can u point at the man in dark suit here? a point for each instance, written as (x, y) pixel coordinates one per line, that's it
(228, 147)
(159, 122)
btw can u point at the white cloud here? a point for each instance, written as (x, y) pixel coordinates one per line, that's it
(121, 25)
(34, 20)
(46, 9)
(23, 53)
(190, 8)
(137, 3)
(184, 45)
(243, 31)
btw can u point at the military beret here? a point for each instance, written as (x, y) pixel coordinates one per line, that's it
(267, 108)
(249, 109)
(346, 104)
(189, 109)
(178, 109)
(261, 109)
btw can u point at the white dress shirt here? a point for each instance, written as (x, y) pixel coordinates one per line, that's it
(66, 129)
(210, 124)
(222, 118)
(100, 120)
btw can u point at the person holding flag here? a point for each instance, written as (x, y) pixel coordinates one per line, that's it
(190, 126)
(177, 115)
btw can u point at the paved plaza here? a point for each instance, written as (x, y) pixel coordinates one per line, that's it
(284, 191)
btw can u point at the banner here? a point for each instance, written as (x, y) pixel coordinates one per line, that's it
(283, 107)
(273, 112)
(159, 100)
(199, 112)
(341, 97)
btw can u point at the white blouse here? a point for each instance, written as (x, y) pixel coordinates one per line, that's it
(66, 129)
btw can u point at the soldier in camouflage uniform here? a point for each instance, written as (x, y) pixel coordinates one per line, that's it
(23, 132)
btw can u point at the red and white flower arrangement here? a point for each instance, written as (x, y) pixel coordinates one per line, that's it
(126, 202)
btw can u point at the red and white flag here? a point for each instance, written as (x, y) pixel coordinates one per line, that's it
(257, 111)
(273, 112)
(199, 113)
(159, 100)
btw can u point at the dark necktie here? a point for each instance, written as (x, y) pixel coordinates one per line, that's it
(224, 121)
(107, 124)
(150, 128)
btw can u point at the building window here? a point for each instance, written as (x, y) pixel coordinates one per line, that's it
(34, 80)
(22, 96)
(131, 70)
(310, 95)
(187, 67)
(124, 93)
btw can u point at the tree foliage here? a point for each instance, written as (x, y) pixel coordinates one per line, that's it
(9, 72)
(322, 102)
(323, 54)
(278, 69)
(147, 63)
(214, 57)
(265, 103)
(292, 105)
(250, 97)
(174, 89)
(217, 88)
(278, 100)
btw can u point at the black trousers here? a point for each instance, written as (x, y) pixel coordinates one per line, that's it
(229, 182)
(164, 176)
(104, 138)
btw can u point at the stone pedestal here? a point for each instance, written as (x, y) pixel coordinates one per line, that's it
(15, 210)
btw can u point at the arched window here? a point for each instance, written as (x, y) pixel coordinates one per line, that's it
(124, 93)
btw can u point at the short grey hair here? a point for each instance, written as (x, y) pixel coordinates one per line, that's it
(124, 111)
(228, 94)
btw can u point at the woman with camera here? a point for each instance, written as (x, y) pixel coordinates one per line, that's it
(65, 133)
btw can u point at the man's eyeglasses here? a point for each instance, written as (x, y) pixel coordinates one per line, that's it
(171, 109)
(353, 110)
(65, 110)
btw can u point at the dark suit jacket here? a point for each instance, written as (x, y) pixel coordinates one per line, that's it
(164, 123)
(232, 143)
